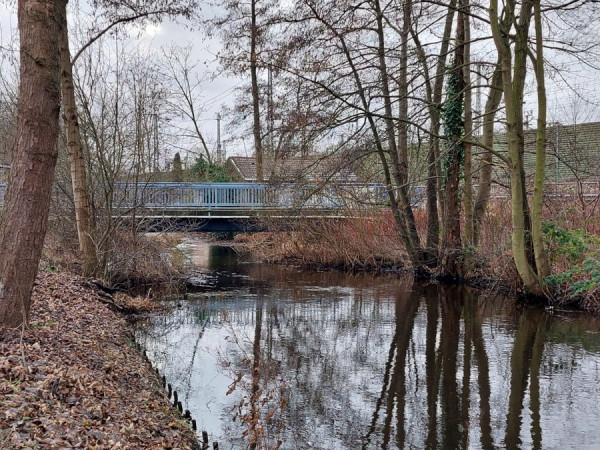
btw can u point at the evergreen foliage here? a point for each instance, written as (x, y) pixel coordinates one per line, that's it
(177, 168)
(203, 170)
(452, 118)
(581, 250)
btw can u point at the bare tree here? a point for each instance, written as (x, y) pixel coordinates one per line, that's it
(513, 61)
(183, 74)
(451, 248)
(244, 31)
(433, 91)
(116, 13)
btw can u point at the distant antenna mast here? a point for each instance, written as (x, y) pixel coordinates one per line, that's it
(219, 149)
(270, 112)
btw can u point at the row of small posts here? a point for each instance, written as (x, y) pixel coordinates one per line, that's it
(173, 396)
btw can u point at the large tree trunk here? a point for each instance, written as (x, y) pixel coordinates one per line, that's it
(451, 261)
(513, 99)
(81, 198)
(25, 215)
(258, 150)
(537, 236)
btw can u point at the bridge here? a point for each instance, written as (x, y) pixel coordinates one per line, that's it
(240, 206)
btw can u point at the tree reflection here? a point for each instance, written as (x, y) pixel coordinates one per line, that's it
(406, 310)
(433, 368)
(388, 365)
(451, 305)
(525, 365)
(483, 381)
(454, 349)
(254, 397)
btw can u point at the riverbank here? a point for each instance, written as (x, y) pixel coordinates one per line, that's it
(75, 379)
(372, 244)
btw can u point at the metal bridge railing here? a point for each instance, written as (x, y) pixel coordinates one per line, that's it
(247, 195)
(187, 195)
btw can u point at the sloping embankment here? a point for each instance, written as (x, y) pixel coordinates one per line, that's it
(74, 378)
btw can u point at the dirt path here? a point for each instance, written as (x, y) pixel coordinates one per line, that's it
(75, 380)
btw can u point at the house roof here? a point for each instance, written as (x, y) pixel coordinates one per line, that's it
(571, 150)
(293, 169)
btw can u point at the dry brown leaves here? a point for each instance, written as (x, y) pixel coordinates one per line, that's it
(75, 379)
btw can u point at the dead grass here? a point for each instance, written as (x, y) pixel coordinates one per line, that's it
(138, 260)
(131, 261)
(356, 244)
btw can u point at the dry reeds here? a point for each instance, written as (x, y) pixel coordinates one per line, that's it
(359, 243)
(139, 260)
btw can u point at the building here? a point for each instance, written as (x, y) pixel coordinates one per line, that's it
(572, 152)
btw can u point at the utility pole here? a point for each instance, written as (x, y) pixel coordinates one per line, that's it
(270, 110)
(219, 149)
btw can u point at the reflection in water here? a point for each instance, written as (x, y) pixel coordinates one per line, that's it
(327, 360)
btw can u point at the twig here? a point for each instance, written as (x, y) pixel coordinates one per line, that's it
(23, 347)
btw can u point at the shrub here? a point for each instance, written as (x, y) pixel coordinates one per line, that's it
(575, 258)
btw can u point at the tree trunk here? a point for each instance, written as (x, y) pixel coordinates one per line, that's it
(258, 150)
(451, 253)
(398, 158)
(81, 198)
(27, 201)
(537, 236)
(513, 99)
(403, 86)
(434, 89)
(522, 23)
(468, 132)
(487, 139)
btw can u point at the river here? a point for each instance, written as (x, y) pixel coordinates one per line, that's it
(270, 354)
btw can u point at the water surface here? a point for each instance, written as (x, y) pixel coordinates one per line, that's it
(333, 361)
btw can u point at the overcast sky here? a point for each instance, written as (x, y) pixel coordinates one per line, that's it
(217, 91)
(564, 105)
